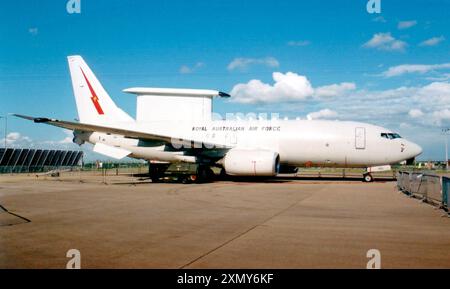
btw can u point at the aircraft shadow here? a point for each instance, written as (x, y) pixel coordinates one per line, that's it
(144, 179)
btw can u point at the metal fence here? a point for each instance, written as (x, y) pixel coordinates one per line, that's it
(445, 191)
(430, 188)
(14, 160)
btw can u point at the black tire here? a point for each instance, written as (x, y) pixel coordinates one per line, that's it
(368, 178)
(223, 175)
(204, 174)
(186, 180)
(156, 171)
(211, 174)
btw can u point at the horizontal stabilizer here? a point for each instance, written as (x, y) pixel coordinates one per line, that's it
(110, 151)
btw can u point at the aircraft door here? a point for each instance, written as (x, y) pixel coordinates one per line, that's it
(360, 138)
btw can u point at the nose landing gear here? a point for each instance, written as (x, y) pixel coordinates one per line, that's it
(367, 177)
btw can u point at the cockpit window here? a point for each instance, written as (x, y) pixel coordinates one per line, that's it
(390, 135)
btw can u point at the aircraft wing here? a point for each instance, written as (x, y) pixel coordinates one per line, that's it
(119, 131)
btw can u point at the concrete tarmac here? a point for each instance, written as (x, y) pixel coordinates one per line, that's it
(276, 224)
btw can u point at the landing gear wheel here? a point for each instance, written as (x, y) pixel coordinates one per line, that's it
(223, 175)
(153, 174)
(156, 171)
(368, 178)
(188, 179)
(204, 174)
(192, 178)
(211, 176)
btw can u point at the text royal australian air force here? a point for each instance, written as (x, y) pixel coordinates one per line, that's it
(217, 132)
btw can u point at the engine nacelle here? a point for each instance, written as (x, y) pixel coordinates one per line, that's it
(242, 162)
(77, 141)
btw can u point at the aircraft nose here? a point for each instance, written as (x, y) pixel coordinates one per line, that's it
(414, 149)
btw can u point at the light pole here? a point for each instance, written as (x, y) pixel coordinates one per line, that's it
(445, 132)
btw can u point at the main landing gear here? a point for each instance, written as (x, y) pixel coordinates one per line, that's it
(186, 173)
(156, 171)
(203, 174)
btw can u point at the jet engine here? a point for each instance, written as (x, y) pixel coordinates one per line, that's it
(242, 162)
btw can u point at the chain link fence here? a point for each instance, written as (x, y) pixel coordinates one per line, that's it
(430, 188)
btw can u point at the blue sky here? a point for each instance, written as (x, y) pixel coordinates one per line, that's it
(338, 61)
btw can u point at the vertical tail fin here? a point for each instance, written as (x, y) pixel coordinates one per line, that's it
(93, 103)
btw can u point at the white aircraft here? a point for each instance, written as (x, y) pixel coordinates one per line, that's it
(175, 125)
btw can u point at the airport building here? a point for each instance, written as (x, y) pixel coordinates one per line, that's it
(17, 160)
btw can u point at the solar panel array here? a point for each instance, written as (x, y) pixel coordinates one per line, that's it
(13, 160)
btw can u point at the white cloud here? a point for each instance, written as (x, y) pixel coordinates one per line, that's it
(65, 142)
(385, 41)
(334, 89)
(16, 139)
(15, 136)
(443, 77)
(413, 68)
(33, 31)
(322, 114)
(299, 43)
(440, 115)
(415, 113)
(409, 109)
(432, 41)
(389, 108)
(434, 95)
(425, 105)
(244, 63)
(406, 24)
(68, 139)
(405, 125)
(184, 69)
(287, 87)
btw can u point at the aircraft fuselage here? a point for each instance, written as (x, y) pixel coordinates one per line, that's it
(298, 142)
